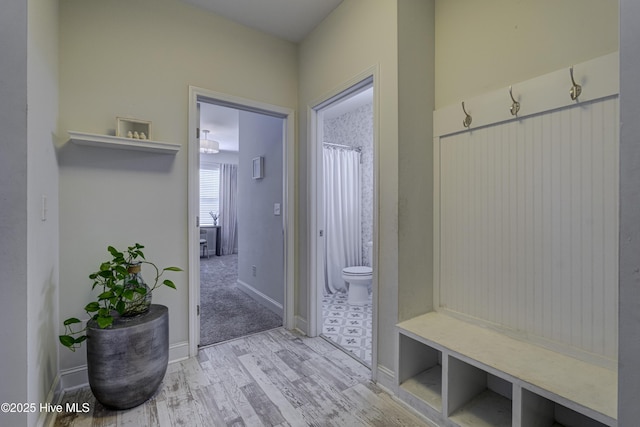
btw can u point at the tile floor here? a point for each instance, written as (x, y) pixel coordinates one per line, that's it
(349, 326)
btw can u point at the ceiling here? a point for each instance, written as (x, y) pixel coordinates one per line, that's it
(290, 20)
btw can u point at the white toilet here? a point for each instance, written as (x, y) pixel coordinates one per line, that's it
(359, 279)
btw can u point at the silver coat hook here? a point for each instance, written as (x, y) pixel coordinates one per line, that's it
(576, 89)
(467, 120)
(515, 106)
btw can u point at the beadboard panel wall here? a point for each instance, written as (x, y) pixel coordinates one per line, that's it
(529, 225)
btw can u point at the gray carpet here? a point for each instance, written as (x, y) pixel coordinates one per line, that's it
(226, 312)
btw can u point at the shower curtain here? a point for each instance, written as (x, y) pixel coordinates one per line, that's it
(228, 207)
(343, 230)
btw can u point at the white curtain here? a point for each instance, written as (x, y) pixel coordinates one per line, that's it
(343, 230)
(228, 208)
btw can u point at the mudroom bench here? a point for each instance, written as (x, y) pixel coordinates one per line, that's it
(461, 374)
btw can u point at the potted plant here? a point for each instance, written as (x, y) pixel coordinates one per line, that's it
(127, 337)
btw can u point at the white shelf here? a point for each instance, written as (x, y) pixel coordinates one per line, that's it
(115, 142)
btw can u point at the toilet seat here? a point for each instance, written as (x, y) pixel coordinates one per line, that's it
(357, 271)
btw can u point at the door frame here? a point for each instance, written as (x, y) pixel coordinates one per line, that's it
(315, 243)
(197, 94)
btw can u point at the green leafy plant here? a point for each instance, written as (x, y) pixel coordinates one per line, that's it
(121, 292)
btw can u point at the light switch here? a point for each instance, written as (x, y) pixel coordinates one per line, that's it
(276, 208)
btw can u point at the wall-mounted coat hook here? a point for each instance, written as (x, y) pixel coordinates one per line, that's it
(467, 120)
(515, 106)
(576, 89)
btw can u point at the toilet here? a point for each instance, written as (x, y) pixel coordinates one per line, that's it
(359, 279)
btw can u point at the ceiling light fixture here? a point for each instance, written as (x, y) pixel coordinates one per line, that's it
(207, 146)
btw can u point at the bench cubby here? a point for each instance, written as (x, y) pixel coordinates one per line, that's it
(462, 374)
(538, 411)
(476, 397)
(420, 371)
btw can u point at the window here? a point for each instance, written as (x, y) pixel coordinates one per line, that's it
(209, 192)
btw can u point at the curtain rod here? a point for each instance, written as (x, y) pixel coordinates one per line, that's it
(342, 146)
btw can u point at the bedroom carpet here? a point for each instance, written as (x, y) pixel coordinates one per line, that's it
(226, 312)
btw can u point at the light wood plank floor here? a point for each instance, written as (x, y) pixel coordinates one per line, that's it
(274, 378)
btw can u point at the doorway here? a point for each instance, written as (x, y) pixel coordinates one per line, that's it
(247, 261)
(345, 204)
(242, 248)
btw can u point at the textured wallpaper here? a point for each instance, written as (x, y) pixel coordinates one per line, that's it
(355, 129)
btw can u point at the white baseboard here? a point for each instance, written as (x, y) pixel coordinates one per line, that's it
(263, 299)
(46, 419)
(386, 378)
(178, 352)
(301, 325)
(73, 378)
(77, 377)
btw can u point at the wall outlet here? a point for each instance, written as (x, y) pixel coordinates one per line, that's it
(254, 270)
(276, 208)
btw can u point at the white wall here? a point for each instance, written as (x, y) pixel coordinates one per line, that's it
(13, 207)
(416, 91)
(356, 36)
(28, 246)
(629, 309)
(137, 58)
(482, 46)
(396, 39)
(42, 178)
(260, 232)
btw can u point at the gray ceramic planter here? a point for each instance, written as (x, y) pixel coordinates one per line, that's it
(127, 361)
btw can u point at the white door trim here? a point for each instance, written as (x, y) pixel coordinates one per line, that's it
(288, 218)
(314, 159)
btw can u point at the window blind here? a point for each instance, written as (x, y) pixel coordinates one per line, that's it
(209, 193)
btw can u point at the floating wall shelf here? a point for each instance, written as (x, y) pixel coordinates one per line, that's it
(107, 141)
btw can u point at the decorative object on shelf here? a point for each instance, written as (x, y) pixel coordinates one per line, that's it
(214, 215)
(142, 135)
(127, 337)
(208, 146)
(131, 127)
(258, 167)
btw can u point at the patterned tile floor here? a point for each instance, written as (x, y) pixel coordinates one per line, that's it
(348, 325)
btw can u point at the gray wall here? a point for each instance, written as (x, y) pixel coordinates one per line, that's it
(13, 207)
(629, 308)
(260, 232)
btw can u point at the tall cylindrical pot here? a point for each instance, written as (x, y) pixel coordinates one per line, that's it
(127, 361)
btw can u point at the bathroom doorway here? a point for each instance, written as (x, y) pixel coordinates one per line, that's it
(345, 213)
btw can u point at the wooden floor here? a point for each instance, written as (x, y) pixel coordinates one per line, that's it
(274, 378)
